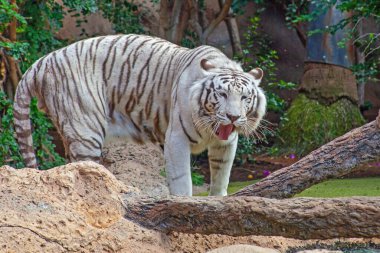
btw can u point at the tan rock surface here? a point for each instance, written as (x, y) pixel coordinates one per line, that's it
(72, 208)
(141, 166)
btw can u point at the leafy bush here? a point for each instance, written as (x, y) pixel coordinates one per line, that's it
(257, 52)
(124, 15)
(317, 126)
(42, 141)
(197, 178)
(9, 150)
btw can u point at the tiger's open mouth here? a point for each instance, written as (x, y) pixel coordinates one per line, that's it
(224, 131)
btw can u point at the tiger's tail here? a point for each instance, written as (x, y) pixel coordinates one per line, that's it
(23, 127)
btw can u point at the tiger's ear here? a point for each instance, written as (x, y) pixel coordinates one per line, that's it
(257, 73)
(206, 65)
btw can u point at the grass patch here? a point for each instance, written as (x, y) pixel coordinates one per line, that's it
(236, 186)
(328, 189)
(233, 187)
(344, 188)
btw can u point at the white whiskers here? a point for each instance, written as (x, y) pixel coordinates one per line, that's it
(257, 131)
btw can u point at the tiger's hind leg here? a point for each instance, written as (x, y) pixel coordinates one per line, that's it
(221, 157)
(83, 143)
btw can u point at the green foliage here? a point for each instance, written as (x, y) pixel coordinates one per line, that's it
(84, 7)
(9, 149)
(41, 39)
(15, 49)
(344, 188)
(42, 141)
(7, 13)
(190, 39)
(197, 178)
(258, 45)
(311, 124)
(44, 20)
(245, 150)
(368, 43)
(124, 15)
(366, 71)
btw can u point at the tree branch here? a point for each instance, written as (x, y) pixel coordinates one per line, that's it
(334, 159)
(14, 73)
(194, 22)
(214, 23)
(164, 18)
(233, 31)
(178, 23)
(302, 218)
(301, 34)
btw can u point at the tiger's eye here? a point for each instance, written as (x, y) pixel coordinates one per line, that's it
(243, 97)
(223, 95)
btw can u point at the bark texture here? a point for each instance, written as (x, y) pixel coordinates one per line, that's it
(336, 158)
(10, 72)
(302, 218)
(215, 22)
(233, 31)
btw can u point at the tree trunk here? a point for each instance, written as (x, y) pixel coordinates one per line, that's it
(233, 31)
(334, 159)
(164, 18)
(215, 22)
(361, 60)
(194, 22)
(3, 71)
(178, 22)
(13, 70)
(302, 218)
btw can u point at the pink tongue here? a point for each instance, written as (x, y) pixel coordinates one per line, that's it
(225, 131)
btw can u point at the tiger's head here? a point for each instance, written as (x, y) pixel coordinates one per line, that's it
(228, 100)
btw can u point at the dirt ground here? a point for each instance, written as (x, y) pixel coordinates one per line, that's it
(142, 167)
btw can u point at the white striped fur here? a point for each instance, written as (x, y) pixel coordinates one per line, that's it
(144, 89)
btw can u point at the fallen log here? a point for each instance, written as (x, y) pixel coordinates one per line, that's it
(334, 159)
(301, 218)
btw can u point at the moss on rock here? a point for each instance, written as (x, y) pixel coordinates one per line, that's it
(311, 124)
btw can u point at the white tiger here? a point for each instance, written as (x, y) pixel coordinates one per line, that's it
(144, 88)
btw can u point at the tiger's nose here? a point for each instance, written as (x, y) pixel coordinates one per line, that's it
(233, 118)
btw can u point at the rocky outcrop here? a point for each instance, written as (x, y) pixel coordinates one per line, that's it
(71, 208)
